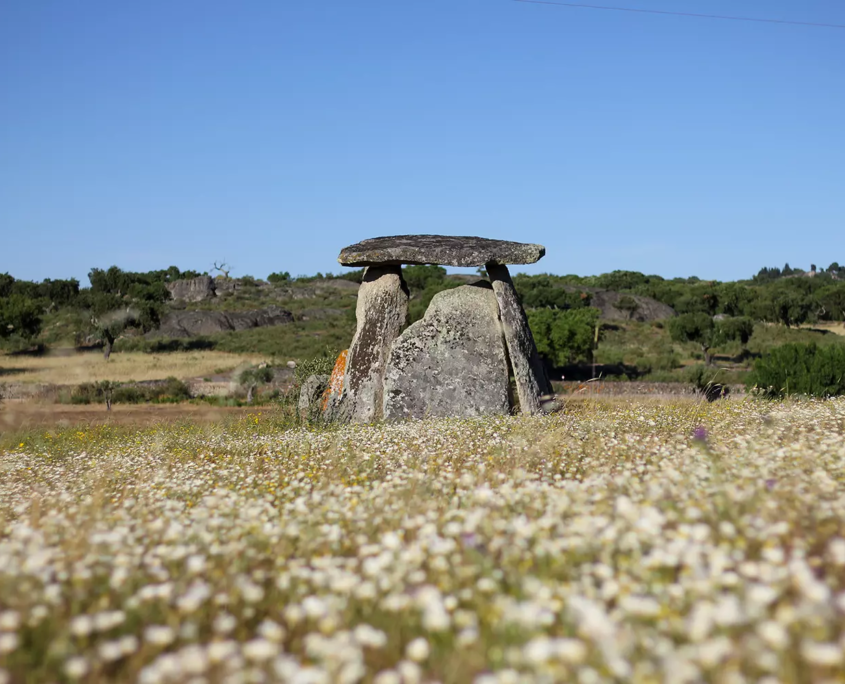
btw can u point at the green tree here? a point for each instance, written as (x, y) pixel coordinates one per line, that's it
(694, 327)
(564, 337)
(282, 277)
(420, 277)
(112, 324)
(784, 303)
(738, 328)
(831, 301)
(252, 377)
(6, 283)
(804, 369)
(735, 299)
(19, 316)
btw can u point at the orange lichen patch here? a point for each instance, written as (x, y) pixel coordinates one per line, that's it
(336, 380)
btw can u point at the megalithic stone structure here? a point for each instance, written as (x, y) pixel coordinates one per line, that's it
(529, 374)
(453, 362)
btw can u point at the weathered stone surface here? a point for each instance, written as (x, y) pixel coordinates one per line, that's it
(445, 250)
(333, 405)
(193, 323)
(381, 311)
(192, 290)
(311, 396)
(450, 363)
(531, 380)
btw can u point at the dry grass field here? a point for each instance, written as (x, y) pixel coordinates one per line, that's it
(623, 541)
(829, 326)
(65, 367)
(27, 415)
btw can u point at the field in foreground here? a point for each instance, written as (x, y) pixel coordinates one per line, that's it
(647, 542)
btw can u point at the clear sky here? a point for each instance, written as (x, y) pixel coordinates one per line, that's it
(272, 133)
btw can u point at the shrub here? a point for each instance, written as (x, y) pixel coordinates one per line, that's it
(86, 393)
(283, 277)
(803, 369)
(170, 391)
(564, 337)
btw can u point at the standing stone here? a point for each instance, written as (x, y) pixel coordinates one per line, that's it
(531, 380)
(450, 363)
(381, 312)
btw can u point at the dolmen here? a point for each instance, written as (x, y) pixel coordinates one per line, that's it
(456, 361)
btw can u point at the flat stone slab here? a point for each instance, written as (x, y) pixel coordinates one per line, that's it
(443, 250)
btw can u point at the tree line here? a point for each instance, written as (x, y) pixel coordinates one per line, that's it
(559, 308)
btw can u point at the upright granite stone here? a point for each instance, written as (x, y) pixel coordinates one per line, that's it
(445, 250)
(450, 363)
(531, 380)
(381, 312)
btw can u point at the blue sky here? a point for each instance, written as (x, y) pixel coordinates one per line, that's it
(270, 134)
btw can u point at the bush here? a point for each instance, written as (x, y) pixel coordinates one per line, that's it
(564, 337)
(803, 369)
(171, 390)
(283, 277)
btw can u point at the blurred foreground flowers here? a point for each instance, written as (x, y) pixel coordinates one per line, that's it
(600, 544)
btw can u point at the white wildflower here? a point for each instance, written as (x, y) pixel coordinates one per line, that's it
(10, 620)
(159, 635)
(260, 650)
(823, 654)
(417, 650)
(8, 642)
(76, 667)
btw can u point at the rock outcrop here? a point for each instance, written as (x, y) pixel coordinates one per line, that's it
(528, 371)
(452, 362)
(381, 312)
(311, 397)
(446, 250)
(196, 289)
(195, 323)
(648, 309)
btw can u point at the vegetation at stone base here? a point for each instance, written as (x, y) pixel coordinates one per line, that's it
(800, 369)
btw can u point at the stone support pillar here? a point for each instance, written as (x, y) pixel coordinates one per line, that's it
(531, 380)
(381, 312)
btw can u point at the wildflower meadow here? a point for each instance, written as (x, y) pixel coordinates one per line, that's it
(641, 541)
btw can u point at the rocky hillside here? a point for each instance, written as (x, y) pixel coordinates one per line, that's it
(647, 309)
(177, 324)
(205, 306)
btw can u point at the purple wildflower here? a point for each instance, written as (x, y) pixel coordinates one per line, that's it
(470, 540)
(700, 434)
